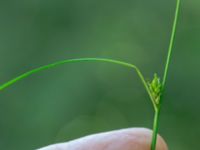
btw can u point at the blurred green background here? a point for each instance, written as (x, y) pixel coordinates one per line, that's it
(80, 99)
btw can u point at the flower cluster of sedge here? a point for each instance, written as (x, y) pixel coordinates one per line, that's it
(155, 87)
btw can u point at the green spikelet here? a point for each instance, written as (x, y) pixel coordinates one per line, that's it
(155, 87)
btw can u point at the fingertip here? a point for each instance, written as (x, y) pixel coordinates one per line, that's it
(143, 138)
(126, 139)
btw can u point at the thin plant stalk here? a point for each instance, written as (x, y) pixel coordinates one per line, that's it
(171, 42)
(155, 128)
(53, 65)
(158, 109)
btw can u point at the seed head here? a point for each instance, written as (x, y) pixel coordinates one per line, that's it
(155, 88)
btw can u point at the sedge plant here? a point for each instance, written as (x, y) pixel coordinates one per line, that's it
(155, 88)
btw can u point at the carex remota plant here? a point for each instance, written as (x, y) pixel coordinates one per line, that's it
(154, 88)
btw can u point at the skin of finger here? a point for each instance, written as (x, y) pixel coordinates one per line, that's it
(124, 139)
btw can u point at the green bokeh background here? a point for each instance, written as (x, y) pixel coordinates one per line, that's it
(80, 99)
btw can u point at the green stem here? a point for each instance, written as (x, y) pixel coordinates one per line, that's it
(171, 42)
(27, 74)
(11, 82)
(157, 112)
(155, 129)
